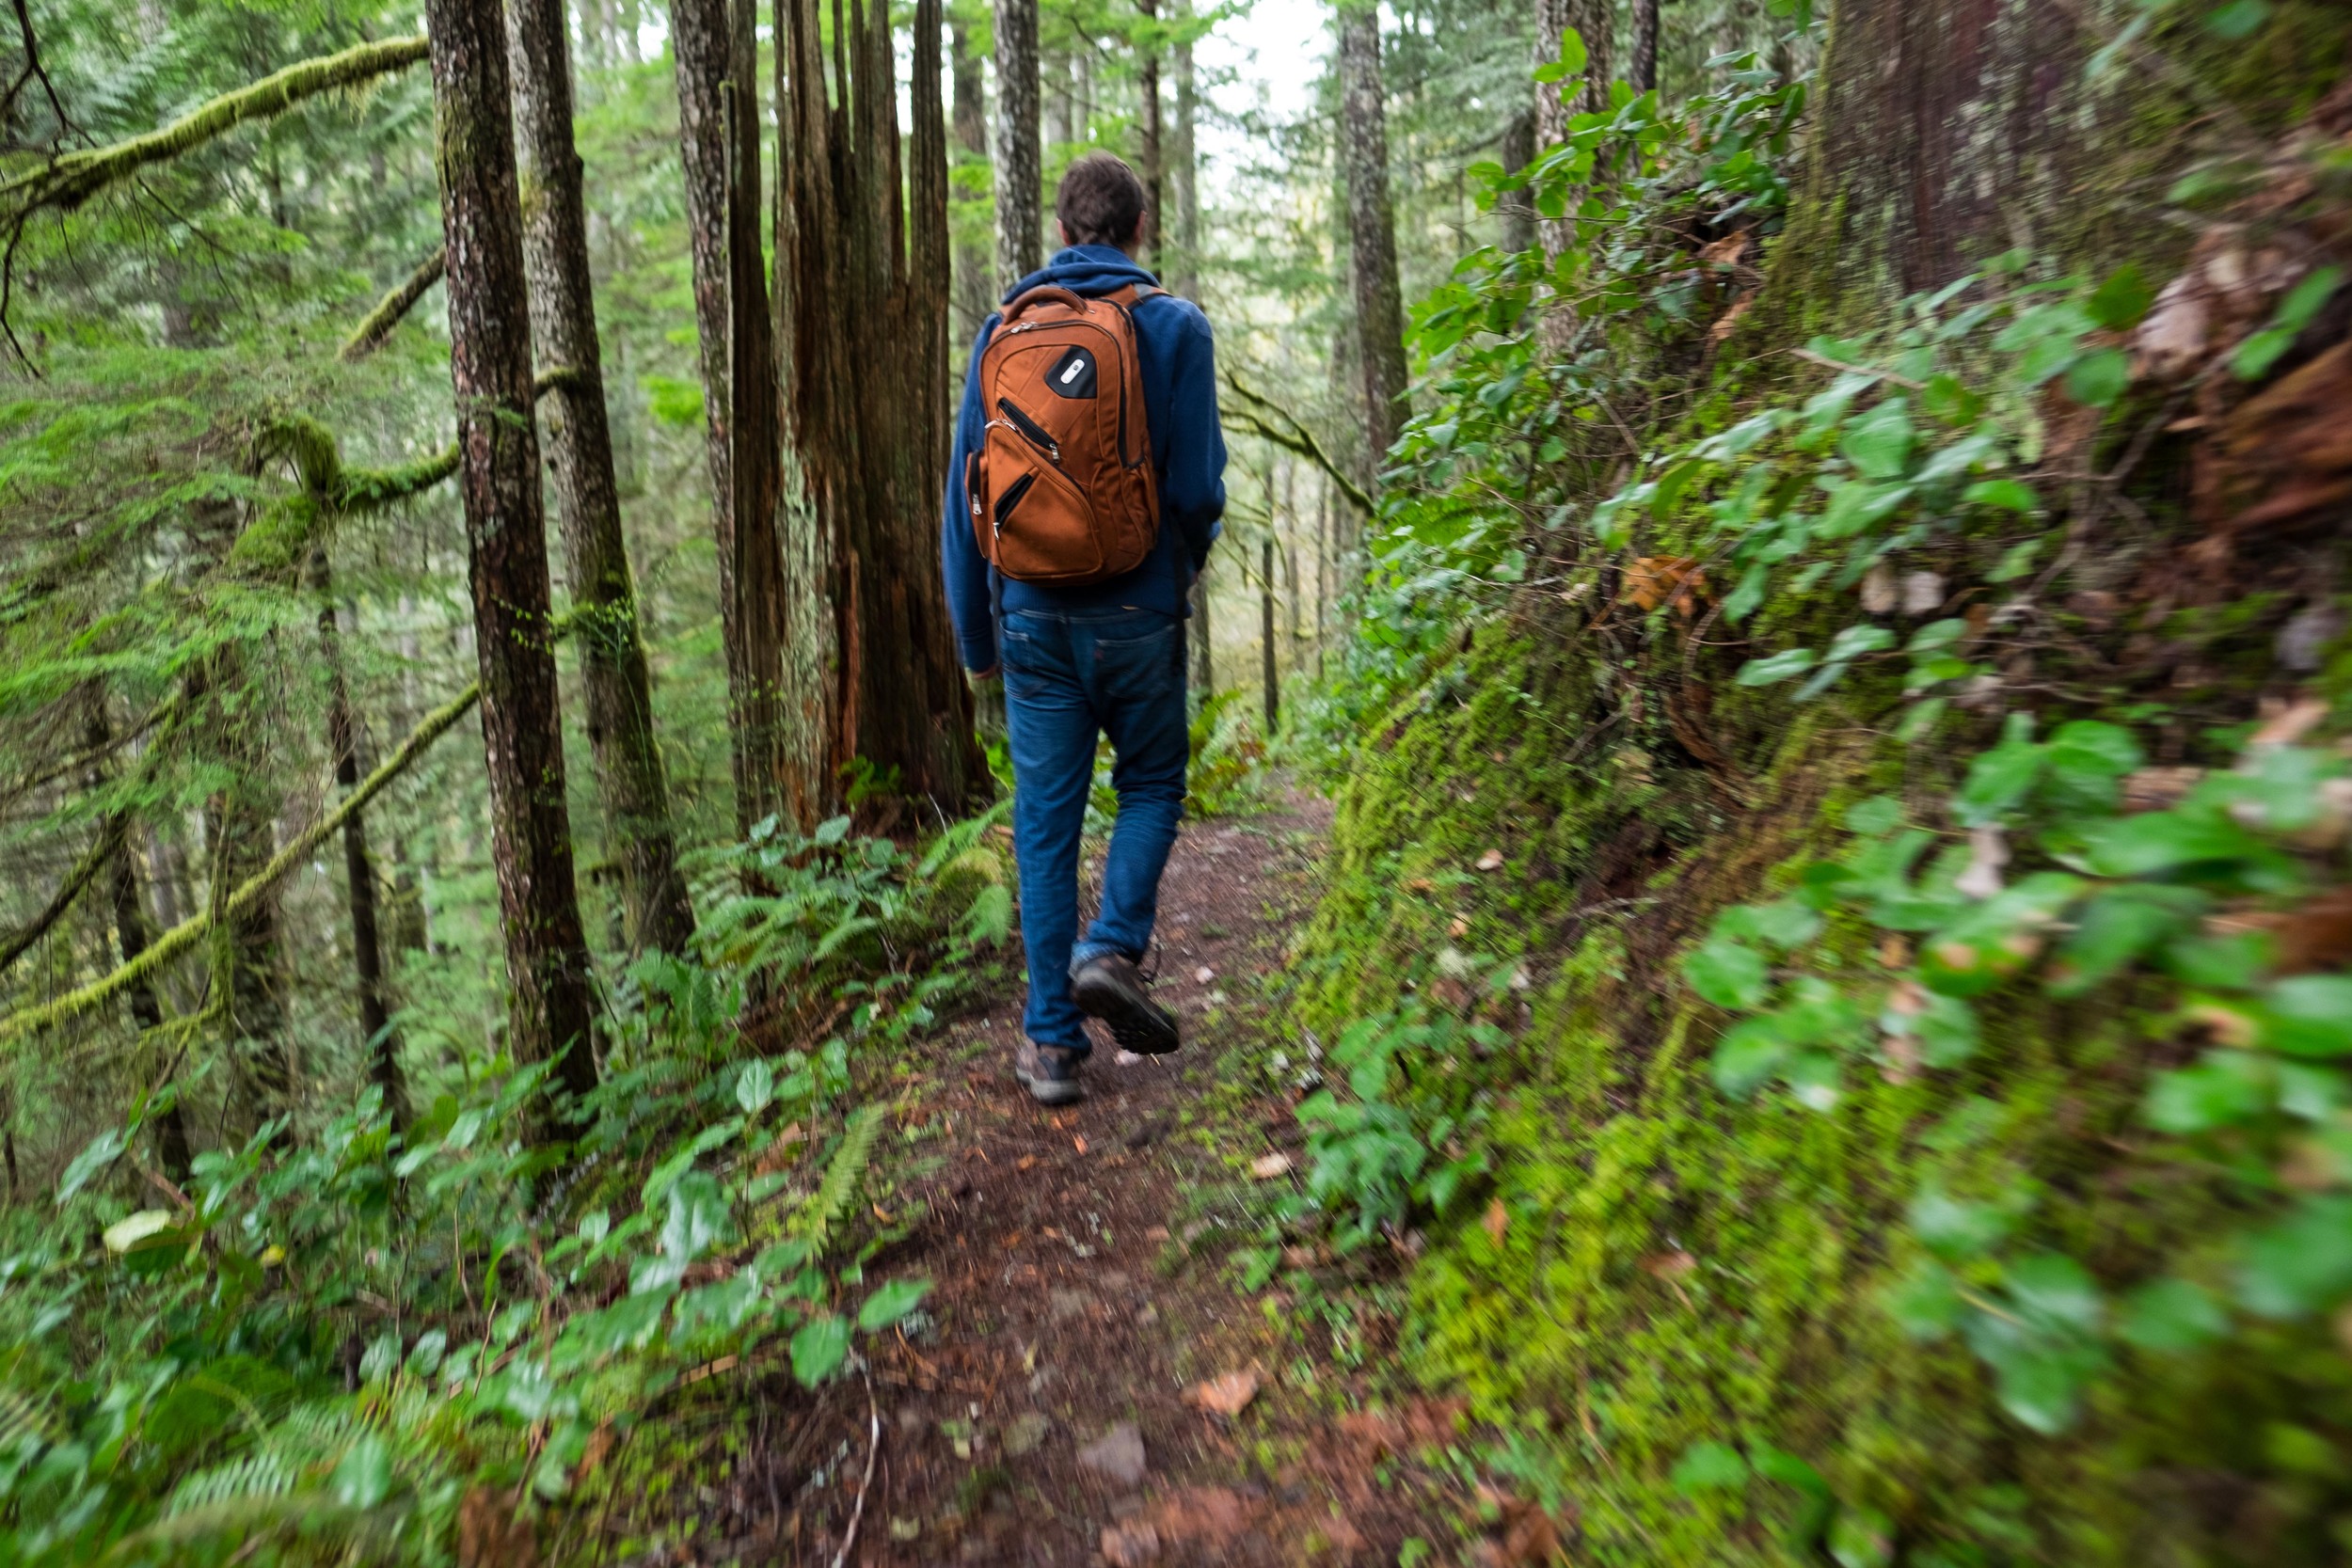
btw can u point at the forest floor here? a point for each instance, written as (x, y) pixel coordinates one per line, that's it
(1052, 1411)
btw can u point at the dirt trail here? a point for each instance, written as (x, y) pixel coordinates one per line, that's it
(1042, 1416)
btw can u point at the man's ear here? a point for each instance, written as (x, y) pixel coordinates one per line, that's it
(1063, 229)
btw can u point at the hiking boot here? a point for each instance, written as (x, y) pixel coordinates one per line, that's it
(1049, 1072)
(1111, 988)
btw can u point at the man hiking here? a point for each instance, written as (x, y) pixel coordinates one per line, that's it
(1084, 492)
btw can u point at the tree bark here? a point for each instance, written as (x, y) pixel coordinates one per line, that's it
(1266, 627)
(1149, 151)
(974, 286)
(131, 936)
(1643, 70)
(550, 1006)
(1020, 173)
(631, 780)
(866, 340)
(1183, 263)
(1372, 230)
(367, 947)
(719, 138)
(1514, 208)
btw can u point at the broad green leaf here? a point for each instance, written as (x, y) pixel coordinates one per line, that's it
(2312, 1015)
(2099, 377)
(1748, 595)
(1875, 816)
(2116, 930)
(128, 1232)
(1779, 667)
(2015, 561)
(1997, 783)
(1949, 402)
(891, 1302)
(1747, 1056)
(1926, 1301)
(2171, 1317)
(2224, 1089)
(1878, 444)
(2238, 19)
(1814, 1079)
(2122, 302)
(2160, 841)
(2302, 1264)
(1728, 974)
(820, 1348)
(754, 1086)
(2009, 495)
(99, 1153)
(1857, 640)
(1709, 1466)
(1862, 1538)
(363, 1478)
(1955, 1229)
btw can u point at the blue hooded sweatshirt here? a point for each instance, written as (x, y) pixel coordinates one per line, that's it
(1176, 359)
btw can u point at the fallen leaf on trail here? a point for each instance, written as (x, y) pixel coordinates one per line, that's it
(1226, 1395)
(1894, 951)
(1012, 1239)
(1730, 321)
(1204, 975)
(1727, 251)
(1157, 1234)
(1024, 1162)
(1026, 1432)
(1420, 884)
(1497, 1221)
(1265, 1167)
(1669, 1265)
(2290, 724)
(1880, 591)
(1490, 861)
(2155, 788)
(1656, 579)
(1080, 1142)
(1459, 926)
(1131, 1545)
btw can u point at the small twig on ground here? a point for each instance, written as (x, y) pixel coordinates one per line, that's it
(1807, 354)
(873, 1448)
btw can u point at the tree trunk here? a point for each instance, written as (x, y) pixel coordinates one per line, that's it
(1147, 128)
(1643, 71)
(1183, 270)
(1514, 208)
(245, 958)
(619, 690)
(1266, 627)
(1020, 174)
(550, 1008)
(866, 340)
(367, 948)
(1959, 128)
(719, 137)
(131, 939)
(975, 287)
(1371, 229)
(1203, 648)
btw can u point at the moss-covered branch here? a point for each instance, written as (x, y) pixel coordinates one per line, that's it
(369, 334)
(74, 179)
(1292, 437)
(28, 1021)
(69, 890)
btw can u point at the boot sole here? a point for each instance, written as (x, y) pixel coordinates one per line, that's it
(1048, 1091)
(1137, 1024)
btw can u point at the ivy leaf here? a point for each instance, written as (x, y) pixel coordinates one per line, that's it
(2238, 19)
(1926, 1302)
(1953, 1230)
(1748, 595)
(2122, 302)
(820, 1348)
(1709, 1466)
(2009, 495)
(1748, 1055)
(1862, 1538)
(1813, 1078)
(1728, 974)
(891, 1302)
(1997, 781)
(1949, 402)
(99, 1152)
(2225, 1088)
(1878, 444)
(2303, 1263)
(1779, 667)
(2170, 1317)
(2099, 377)
(2117, 928)
(2312, 1015)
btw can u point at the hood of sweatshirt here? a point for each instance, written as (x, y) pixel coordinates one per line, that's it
(1085, 269)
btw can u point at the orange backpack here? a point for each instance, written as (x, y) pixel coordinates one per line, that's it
(1061, 489)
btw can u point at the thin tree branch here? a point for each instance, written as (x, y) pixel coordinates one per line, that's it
(19, 1025)
(370, 333)
(110, 828)
(1296, 438)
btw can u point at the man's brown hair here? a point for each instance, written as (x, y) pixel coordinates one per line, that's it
(1099, 201)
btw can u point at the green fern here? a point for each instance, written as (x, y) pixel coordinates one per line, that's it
(832, 1199)
(260, 1474)
(21, 1418)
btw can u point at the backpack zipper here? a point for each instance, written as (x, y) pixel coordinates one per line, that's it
(1030, 428)
(1010, 499)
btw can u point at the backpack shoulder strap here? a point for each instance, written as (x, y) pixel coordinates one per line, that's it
(1129, 296)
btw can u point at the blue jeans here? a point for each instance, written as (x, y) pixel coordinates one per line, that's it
(1070, 676)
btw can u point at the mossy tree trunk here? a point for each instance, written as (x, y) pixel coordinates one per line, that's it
(1182, 252)
(1149, 155)
(630, 780)
(549, 1006)
(975, 287)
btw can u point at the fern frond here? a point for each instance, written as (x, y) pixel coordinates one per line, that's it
(263, 1473)
(834, 1196)
(21, 1417)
